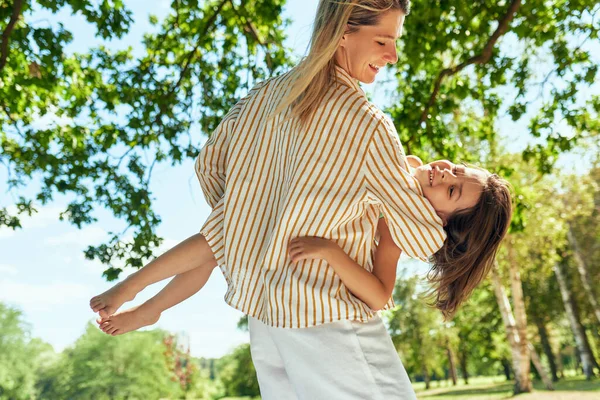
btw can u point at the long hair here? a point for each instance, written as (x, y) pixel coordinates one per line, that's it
(473, 238)
(316, 72)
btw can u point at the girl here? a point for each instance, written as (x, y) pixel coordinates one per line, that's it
(474, 205)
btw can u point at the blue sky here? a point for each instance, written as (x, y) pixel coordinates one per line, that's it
(42, 269)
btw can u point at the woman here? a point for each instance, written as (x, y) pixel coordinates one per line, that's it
(305, 154)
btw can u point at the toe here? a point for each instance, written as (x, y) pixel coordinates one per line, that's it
(105, 325)
(97, 305)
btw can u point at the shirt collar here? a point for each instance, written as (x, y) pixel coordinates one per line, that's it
(343, 77)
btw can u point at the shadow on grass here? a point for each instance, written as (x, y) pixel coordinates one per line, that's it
(576, 384)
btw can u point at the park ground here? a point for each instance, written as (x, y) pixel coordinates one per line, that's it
(497, 387)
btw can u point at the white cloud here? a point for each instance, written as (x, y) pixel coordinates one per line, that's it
(97, 268)
(81, 237)
(49, 120)
(8, 269)
(42, 296)
(40, 219)
(6, 232)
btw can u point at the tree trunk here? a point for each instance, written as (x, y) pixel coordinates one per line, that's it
(520, 314)
(426, 376)
(580, 339)
(559, 365)
(463, 365)
(538, 366)
(586, 341)
(452, 364)
(423, 358)
(583, 273)
(520, 358)
(506, 367)
(547, 348)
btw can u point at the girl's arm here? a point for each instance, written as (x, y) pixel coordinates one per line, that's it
(374, 289)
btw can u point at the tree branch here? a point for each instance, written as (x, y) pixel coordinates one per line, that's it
(191, 54)
(189, 58)
(7, 112)
(7, 31)
(251, 29)
(482, 58)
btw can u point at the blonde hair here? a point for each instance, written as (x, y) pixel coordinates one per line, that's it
(316, 72)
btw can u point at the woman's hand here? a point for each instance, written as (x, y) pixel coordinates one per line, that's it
(310, 247)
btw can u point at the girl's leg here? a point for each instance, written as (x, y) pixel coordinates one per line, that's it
(180, 288)
(187, 255)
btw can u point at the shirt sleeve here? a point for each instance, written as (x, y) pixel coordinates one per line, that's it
(414, 225)
(211, 164)
(211, 170)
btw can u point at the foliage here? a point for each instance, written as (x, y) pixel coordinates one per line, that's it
(482, 341)
(237, 374)
(20, 356)
(463, 64)
(416, 328)
(100, 366)
(115, 116)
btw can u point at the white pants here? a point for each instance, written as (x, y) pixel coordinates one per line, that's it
(343, 360)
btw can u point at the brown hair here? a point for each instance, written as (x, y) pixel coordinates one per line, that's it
(473, 237)
(316, 73)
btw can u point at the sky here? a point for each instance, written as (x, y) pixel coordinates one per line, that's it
(42, 268)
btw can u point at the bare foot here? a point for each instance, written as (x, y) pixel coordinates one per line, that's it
(109, 302)
(127, 321)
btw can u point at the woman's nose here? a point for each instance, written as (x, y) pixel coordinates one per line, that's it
(394, 56)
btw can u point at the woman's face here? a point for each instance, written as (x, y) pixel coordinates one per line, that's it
(364, 52)
(450, 187)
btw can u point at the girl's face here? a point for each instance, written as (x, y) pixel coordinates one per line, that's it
(450, 187)
(364, 52)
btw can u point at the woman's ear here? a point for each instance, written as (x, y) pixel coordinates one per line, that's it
(414, 161)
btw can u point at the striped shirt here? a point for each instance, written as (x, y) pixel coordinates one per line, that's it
(270, 181)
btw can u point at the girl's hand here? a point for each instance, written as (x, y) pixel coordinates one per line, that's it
(310, 247)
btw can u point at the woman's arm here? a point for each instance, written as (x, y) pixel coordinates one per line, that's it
(374, 289)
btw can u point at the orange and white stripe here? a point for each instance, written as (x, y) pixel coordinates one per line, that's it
(270, 180)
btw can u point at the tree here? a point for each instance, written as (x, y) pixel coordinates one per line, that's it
(99, 366)
(415, 331)
(122, 110)
(237, 373)
(20, 356)
(462, 64)
(481, 348)
(583, 232)
(518, 344)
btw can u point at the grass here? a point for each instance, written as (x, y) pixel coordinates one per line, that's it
(496, 388)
